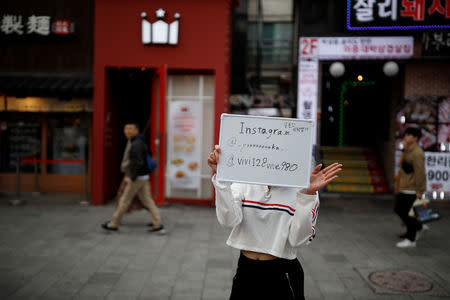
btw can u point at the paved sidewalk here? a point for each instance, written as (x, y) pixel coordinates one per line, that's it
(59, 251)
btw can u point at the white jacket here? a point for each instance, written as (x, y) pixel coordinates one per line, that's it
(273, 222)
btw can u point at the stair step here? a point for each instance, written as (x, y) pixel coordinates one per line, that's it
(327, 149)
(361, 180)
(338, 157)
(359, 164)
(361, 172)
(357, 188)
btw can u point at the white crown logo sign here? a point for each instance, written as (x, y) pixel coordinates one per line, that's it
(160, 32)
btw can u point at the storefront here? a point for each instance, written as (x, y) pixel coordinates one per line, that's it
(166, 66)
(46, 96)
(377, 69)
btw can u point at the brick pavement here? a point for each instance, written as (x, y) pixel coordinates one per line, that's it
(59, 251)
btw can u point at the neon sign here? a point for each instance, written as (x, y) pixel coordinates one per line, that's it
(397, 15)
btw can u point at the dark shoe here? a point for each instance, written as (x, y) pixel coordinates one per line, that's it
(158, 230)
(150, 224)
(107, 227)
(402, 236)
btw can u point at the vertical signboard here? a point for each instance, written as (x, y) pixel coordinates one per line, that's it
(184, 148)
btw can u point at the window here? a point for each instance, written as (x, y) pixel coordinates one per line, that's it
(187, 173)
(20, 137)
(276, 42)
(67, 139)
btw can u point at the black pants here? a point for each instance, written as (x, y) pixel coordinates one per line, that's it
(403, 203)
(276, 279)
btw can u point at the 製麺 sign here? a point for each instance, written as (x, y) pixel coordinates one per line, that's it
(264, 150)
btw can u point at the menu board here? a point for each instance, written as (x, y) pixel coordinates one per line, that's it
(24, 139)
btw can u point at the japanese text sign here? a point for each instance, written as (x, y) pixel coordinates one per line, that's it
(397, 14)
(265, 150)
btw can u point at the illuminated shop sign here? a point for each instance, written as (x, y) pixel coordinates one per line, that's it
(397, 14)
(160, 32)
(18, 25)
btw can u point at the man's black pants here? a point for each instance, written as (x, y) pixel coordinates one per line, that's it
(403, 203)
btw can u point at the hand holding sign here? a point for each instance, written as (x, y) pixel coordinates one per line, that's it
(213, 158)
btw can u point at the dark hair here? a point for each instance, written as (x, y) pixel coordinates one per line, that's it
(416, 132)
(133, 123)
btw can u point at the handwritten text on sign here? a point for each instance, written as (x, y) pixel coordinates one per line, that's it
(263, 150)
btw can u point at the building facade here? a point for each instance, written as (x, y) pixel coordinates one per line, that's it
(165, 65)
(366, 96)
(46, 95)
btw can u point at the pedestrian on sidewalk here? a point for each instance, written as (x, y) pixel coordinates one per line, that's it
(411, 184)
(136, 204)
(269, 223)
(137, 182)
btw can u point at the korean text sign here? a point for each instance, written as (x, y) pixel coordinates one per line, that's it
(437, 166)
(397, 14)
(264, 150)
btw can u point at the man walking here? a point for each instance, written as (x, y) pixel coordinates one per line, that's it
(136, 183)
(411, 185)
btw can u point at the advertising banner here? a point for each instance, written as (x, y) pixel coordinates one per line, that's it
(265, 150)
(183, 145)
(438, 171)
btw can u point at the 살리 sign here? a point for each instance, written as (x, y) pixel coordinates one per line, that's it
(265, 150)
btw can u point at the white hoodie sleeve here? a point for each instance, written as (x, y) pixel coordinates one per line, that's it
(229, 198)
(303, 226)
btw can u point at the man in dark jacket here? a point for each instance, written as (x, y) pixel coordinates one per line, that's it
(137, 183)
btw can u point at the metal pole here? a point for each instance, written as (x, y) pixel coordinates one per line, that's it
(18, 177)
(86, 200)
(36, 179)
(17, 201)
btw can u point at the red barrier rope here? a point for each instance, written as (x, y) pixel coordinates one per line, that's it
(50, 161)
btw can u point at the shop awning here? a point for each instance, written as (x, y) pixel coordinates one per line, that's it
(63, 86)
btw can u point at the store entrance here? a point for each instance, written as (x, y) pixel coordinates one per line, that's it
(130, 94)
(355, 125)
(356, 106)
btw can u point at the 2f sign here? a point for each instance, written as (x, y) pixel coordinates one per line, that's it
(309, 46)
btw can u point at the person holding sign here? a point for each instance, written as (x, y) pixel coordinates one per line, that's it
(269, 223)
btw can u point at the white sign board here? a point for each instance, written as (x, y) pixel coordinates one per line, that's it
(386, 47)
(438, 171)
(265, 150)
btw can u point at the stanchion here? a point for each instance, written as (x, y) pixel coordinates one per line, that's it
(86, 199)
(17, 201)
(36, 179)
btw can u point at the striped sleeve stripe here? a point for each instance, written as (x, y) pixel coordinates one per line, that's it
(273, 205)
(268, 208)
